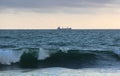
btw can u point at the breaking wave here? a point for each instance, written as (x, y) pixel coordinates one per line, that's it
(39, 57)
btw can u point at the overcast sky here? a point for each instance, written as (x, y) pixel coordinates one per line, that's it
(44, 14)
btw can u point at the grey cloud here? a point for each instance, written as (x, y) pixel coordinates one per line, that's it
(51, 3)
(54, 5)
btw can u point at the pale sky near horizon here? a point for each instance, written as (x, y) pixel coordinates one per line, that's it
(49, 14)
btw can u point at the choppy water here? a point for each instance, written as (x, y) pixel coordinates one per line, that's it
(74, 49)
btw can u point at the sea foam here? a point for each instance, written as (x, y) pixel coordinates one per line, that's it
(12, 56)
(62, 72)
(9, 56)
(43, 54)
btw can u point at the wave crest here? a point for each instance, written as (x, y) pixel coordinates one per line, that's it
(60, 57)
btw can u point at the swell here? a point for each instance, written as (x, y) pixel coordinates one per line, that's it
(80, 59)
(7, 46)
(6, 37)
(38, 57)
(71, 59)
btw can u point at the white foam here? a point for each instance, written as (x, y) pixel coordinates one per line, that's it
(43, 54)
(117, 51)
(63, 72)
(64, 49)
(9, 56)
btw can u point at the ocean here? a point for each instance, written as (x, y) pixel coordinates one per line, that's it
(59, 52)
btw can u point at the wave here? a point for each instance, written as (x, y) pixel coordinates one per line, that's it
(58, 71)
(70, 58)
(6, 37)
(9, 56)
(7, 46)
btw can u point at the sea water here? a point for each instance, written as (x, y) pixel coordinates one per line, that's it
(59, 52)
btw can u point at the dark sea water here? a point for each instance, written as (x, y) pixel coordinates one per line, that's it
(73, 49)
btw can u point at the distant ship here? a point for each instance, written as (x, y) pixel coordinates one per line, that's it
(59, 28)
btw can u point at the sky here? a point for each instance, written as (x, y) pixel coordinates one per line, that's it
(49, 14)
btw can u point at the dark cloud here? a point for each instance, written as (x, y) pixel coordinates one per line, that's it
(50, 5)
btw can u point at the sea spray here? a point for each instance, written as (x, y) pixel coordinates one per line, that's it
(67, 57)
(9, 56)
(43, 54)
